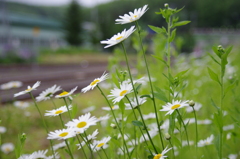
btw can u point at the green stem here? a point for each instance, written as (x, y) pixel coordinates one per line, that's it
(44, 123)
(169, 55)
(67, 108)
(60, 116)
(172, 147)
(221, 114)
(150, 82)
(105, 153)
(137, 119)
(124, 142)
(196, 129)
(135, 93)
(183, 125)
(81, 147)
(70, 152)
(88, 145)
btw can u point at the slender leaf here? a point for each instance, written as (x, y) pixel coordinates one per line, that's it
(214, 59)
(159, 58)
(160, 95)
(137, 123)
(213, 76)
(181, 73)
(180, 23)
(157, 29)
(173, 34)
(213, 104)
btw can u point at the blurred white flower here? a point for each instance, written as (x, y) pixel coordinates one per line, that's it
(206, 142)
(2, 129)
(7, 147)
(48, 93)
(29, 89)
(66, 94)
(118, 37)
(132, 16)
(170, 107)
(21, 104)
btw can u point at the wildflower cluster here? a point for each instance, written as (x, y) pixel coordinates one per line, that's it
(141, 120)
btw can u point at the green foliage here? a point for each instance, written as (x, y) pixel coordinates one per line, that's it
(73, 24)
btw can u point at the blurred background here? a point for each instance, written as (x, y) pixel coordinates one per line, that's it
(29, 28)
(37, 33)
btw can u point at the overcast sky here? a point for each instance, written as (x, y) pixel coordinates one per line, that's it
(87, 3)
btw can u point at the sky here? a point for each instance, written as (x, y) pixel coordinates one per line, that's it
(86, 3)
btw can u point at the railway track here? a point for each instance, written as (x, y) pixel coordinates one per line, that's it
(67, 76)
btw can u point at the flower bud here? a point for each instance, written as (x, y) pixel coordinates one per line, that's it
(167, 136)
(166, 5)
(114, 126)
(221, 49)
(191, 103)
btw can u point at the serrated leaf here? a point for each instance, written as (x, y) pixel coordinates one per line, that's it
(180, 23)
(137, 123)
(214, 59)
(173, 34)
(213, 76)
(157, 29)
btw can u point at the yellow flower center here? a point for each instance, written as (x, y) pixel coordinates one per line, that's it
(123, 92)
(157, 156)
(63, 93)
(94, 82)
(135, 16)
(58, 112)
(29, 89)
(81, 124)
(100, 145)
(112, 107)
(120, 37)
(175, 106)
(63, 134)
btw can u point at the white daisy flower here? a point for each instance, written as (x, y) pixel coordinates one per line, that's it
(2, 129)
(82, 123)
(170, 107)
(88, 109)
(115, 107)
(61, 134)
(118, 37)
(95, 82)
(11, 84)
(7, 148)
(21, 104)
(59, 146)
(39, 154)
(152, 134)
(56, 112)
(118, 94)
(97, 145)
(134, 102)
(161, 155)
(29, 89)
(105, 117)
(66, 94)
(88, 138)
(132, 16)
(48, 93)
(206, 142)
